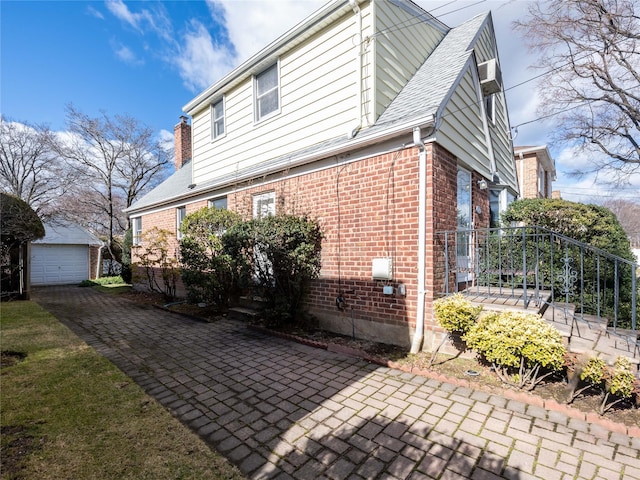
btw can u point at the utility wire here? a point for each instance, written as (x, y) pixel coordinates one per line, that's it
(417, 20)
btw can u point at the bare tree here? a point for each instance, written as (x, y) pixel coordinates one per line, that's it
(30, 168)
(118, 159)
(592, 50)
(628, 214)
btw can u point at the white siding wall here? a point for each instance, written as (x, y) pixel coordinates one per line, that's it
(402, 44)
(317, 101)
(486, 49)
(465, 127)
(461, 131)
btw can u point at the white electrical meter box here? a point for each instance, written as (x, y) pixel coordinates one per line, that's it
(381, 269)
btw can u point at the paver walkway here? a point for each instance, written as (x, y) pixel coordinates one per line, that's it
(283, 410)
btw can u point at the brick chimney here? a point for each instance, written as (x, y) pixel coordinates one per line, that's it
(182, 142)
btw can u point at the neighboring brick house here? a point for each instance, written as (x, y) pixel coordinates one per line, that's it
(379, 121)
(536, 171)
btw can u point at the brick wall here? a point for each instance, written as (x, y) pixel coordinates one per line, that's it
(528, 167)
(368, 209)
(182, 142)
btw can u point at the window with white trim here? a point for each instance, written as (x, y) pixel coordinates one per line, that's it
(136, 228)
(217, 119)
(181, 212)
(264, 205)
(267, 93)
(220, 203)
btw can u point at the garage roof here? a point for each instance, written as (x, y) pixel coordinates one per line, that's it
(67, 234)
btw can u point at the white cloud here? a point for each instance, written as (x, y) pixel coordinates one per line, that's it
(94, 12)
(121, 11)
(199, 60)
(155, 20)
(125, 54)
(253, 24)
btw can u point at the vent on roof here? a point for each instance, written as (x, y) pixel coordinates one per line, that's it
(490, 77)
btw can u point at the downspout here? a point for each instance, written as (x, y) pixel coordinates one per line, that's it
(358, 13)
(99, 261)
(418, 335)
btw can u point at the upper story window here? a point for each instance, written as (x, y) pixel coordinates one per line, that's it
(490, 108)
(220, 203)
(267, 92)
(181, 212)
(217, 119)
(136, 227)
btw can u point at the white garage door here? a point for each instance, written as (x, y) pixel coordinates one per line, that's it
(59, 264)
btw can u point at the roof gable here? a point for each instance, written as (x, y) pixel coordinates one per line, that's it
(426, 93)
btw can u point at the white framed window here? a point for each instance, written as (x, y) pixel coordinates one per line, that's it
(217, 119)
(490, 108)
(542, 183)
(181, 212)
(136, 228)
(264, 205)
(267, 93)
(220, 203)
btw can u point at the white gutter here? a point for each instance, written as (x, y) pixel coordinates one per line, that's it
(358, 13)
(418, 335)
(365, 139)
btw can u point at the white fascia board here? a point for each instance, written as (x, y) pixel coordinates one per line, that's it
(544, 155)
(269, 53)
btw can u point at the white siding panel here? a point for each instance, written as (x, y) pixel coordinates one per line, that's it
(402, 44)
(462, 128)
(500, 134)
(317, 101)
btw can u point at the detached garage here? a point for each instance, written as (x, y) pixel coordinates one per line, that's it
(67, 254)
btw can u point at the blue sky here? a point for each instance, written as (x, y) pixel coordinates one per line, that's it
(148, 59)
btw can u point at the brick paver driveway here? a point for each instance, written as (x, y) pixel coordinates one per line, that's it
(283, 410)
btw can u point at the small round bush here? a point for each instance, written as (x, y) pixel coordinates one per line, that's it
(456, 313)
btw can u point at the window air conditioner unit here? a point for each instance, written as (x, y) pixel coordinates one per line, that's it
(490, 77)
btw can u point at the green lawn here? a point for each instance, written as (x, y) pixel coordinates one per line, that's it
(67, 413)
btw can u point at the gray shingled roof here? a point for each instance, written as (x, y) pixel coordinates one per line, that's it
(175, 186)
(421, 98)
(62, 233)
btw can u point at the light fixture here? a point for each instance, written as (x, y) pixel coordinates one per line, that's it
(482, 184)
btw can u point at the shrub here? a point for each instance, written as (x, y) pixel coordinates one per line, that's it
(588, 373)
(591, 224)
(161, 268)
(127, 242)
(283, 255)
(519, 345)
(206, 268)
(456, 314)
(620, 382)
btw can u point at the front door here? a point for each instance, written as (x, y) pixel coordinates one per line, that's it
(463, 240)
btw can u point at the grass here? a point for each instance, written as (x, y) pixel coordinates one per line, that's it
(69, 413)
(108, 284)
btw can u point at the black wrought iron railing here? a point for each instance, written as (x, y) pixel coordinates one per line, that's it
(544, 267)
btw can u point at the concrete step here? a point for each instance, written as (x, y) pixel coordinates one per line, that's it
(244, 314)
